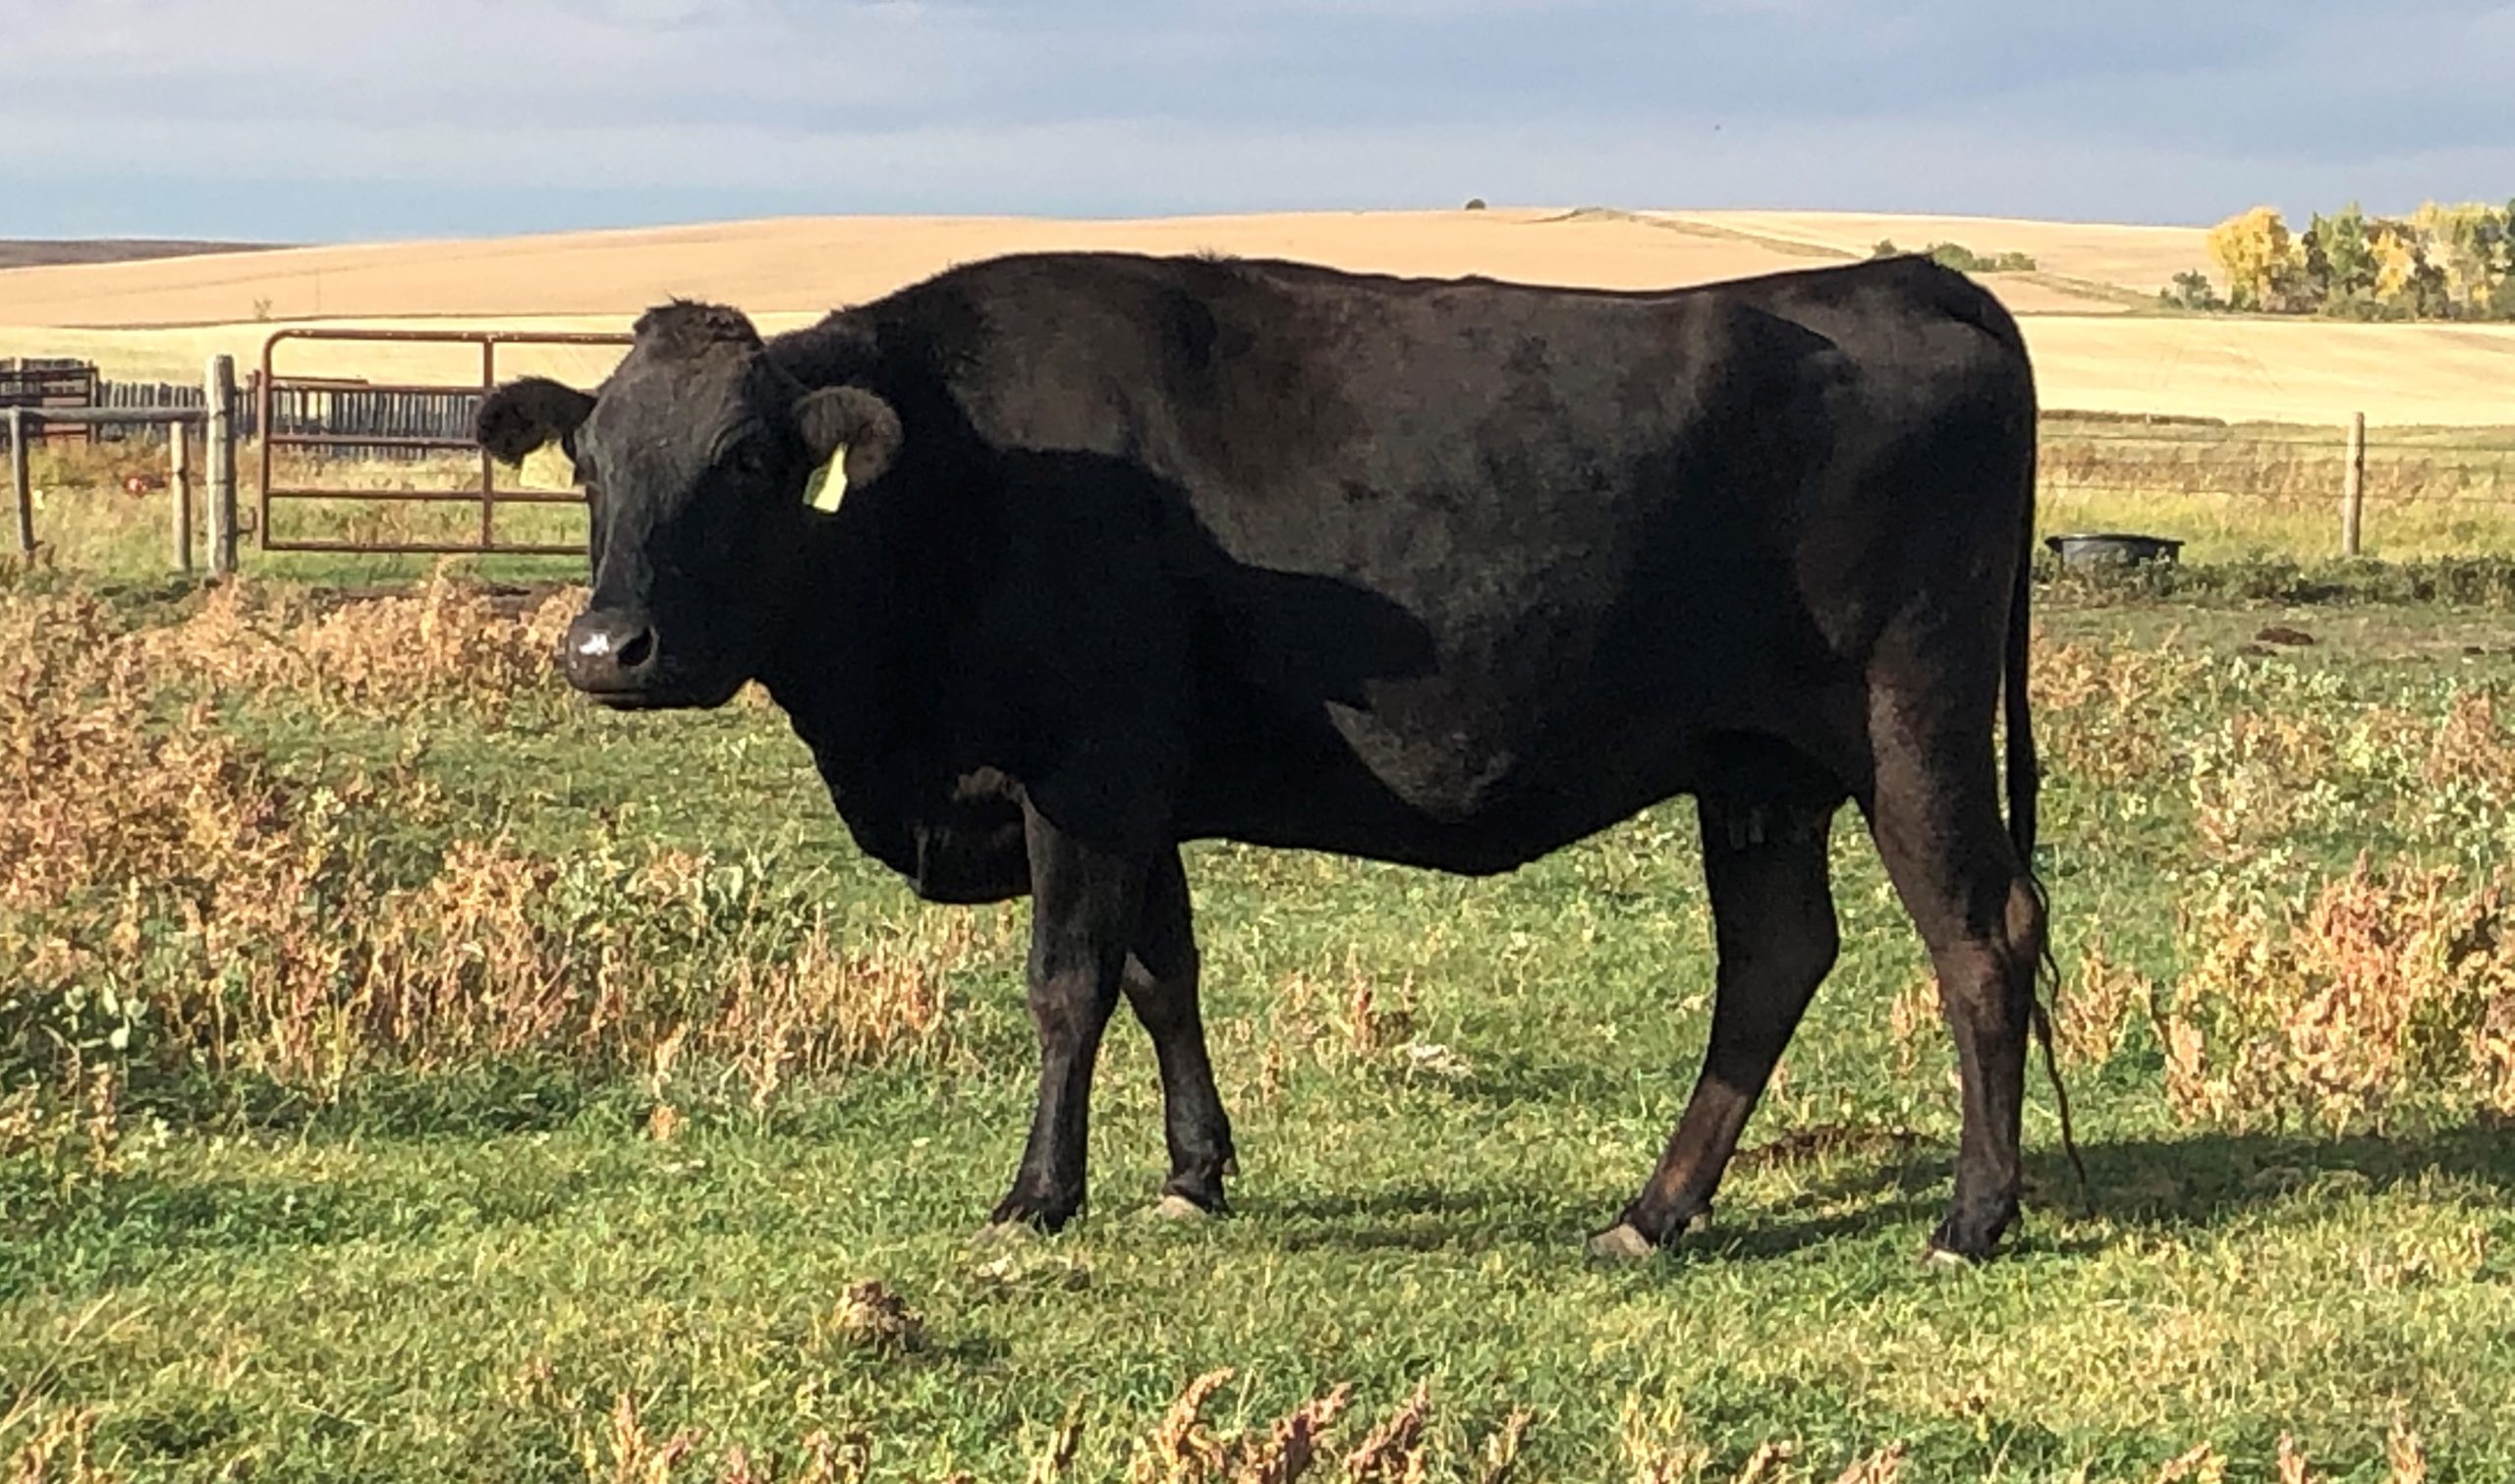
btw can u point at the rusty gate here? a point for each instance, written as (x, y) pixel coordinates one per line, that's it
(416, 422)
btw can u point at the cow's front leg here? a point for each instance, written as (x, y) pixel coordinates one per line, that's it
(1086, 896)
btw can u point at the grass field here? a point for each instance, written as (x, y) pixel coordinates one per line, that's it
(2247, 490)
(408, 1073)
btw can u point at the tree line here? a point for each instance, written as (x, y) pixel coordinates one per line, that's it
(2439, 263)
(1962, 258)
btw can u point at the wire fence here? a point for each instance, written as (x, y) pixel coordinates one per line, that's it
(2448, 468)
(2106, 464)
(2082, 453)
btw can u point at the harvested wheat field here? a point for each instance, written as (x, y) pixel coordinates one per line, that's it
(2093, 350)
(2248, 369)
(2134, 259)
(160, 319)
(815, 264)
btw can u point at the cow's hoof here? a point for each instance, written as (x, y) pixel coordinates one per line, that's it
(1621, 1244)
(1049, 1215)
(1177, 1207)
(1966, 1240)
(1952, 1251)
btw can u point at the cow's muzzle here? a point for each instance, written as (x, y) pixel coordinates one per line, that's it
(611, 654)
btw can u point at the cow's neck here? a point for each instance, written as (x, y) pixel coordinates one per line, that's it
(858, 661)
(829, 664)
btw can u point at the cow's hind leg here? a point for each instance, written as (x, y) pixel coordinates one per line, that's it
(1935, 816)
(1773, 919)
(1161, 985)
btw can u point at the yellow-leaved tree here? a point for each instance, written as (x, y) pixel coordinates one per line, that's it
(2406, 281)
(2462, 244)
(2261, 261)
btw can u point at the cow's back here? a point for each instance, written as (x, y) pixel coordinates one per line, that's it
(1504, 562)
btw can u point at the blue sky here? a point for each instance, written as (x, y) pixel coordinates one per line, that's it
(356, 119)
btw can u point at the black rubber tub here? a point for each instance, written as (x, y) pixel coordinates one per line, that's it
(2112, 548)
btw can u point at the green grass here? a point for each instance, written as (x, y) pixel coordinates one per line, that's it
(454, 1275)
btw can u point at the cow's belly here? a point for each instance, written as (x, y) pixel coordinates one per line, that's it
(1427, 798)
(1478, 780)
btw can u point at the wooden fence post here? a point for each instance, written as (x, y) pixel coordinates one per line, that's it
(219, 463)
(19, 484)
(179, 493)
(2353, 485)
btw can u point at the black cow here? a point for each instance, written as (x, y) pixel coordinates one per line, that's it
(1140, 550)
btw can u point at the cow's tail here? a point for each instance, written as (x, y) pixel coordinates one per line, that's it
(2025, 781)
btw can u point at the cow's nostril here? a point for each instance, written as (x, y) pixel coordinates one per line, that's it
(635, 651)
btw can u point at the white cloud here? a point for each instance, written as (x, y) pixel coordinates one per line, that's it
(2143, 110)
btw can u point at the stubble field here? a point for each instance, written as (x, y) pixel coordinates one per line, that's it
(2089, 308)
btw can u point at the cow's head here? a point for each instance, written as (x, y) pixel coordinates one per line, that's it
(695, 455)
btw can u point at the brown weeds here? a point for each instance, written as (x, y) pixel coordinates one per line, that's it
(1291, 1442)
(2471, 745)
(1345, 1017)
(445, 643)
(870, 1315)
(2260, 777)
(1657, 1448)
(1182, 1447)
(167, 898)
(1913, 1018)
(2393, 984)
(1392, 1453)
(60, 1450)
(90, 790)
(2097, 1008)
(621, 1445)
(2107, 715)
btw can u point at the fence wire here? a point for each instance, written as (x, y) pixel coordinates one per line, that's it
(2097, 456)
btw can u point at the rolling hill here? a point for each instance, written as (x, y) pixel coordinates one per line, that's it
(2087, 307)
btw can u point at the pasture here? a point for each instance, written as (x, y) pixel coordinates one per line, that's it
(406, 1072)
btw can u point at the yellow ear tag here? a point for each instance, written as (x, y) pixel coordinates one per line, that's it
(829, 483)
(547, 468)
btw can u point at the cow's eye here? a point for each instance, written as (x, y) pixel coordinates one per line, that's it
(748, 459)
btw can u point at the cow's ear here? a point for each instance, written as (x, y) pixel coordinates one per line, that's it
(854, 419)
(523, 415)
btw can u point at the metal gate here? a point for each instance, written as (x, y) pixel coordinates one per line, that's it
(330, 419)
